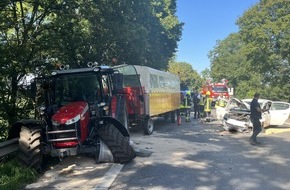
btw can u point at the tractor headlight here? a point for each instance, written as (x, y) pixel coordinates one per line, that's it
(73, 120)
(42, 109)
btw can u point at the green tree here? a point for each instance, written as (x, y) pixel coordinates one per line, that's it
(205, 73)
(188, 76)
(229, 61)
(257, 57)
(21, 25)
(41, 34)
(265, 30)
(170, 33)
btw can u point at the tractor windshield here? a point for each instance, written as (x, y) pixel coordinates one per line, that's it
(78, 87)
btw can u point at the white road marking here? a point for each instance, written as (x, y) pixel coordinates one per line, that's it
(109, 177)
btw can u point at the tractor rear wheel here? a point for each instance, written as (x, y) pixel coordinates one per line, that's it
(30, 147)
(118, 144)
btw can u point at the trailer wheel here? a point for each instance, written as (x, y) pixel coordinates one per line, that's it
(148, 127)
(118, 144)
(173, 116)
(30, 147)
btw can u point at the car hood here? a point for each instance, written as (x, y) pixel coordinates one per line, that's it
(237, 104)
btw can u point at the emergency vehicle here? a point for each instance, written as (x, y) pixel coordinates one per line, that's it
(217, 90)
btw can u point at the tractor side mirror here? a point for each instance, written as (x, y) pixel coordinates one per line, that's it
(118, 82)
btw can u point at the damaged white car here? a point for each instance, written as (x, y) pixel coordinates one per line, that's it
(236, 115)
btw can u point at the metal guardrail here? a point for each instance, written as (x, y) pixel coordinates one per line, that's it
(8, 147)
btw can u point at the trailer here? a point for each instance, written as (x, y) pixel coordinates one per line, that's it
(149, 93)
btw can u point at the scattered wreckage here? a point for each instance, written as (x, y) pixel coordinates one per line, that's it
(235, 115)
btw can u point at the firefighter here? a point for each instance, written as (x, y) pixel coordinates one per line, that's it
(222, 103)
(201, 104)
(207, 104)
(187, 106)
(196, 100)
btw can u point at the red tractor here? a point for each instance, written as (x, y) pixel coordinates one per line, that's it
(77, 111)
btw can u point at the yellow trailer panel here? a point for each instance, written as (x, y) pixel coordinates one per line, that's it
(160, 103)
(162, 90)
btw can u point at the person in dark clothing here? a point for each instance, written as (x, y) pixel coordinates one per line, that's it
(196, 99)
(256, 115)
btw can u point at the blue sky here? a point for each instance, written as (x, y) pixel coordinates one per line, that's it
(206, 21)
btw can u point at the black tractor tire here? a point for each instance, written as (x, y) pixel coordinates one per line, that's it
(118, 144)
(30, 147)
(148, 127)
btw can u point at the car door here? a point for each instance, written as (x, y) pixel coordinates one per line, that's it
(279, 112)
(266, 117)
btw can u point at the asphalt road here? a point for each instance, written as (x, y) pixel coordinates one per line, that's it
(194, 155)
(199, 156)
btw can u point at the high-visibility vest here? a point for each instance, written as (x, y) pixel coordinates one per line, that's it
(186, 102)
(201, 101)
(221, 103)
(207, 107)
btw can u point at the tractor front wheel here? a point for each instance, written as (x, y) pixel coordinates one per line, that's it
(118, 144)
(30, 147)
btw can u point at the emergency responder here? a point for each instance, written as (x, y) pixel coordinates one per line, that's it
(219, 106)
(196, 99)
(201, 105)
(220, 102)
(207, 105)
(187, 106)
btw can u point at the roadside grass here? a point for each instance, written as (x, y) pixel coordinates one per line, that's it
(14, 176)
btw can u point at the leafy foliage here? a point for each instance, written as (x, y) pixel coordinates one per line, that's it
(189, 77)
(13, 175)
(37, 36)
(266, 33)
(257, 57)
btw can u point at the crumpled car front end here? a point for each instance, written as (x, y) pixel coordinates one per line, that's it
(237, 121)
(237, 116)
